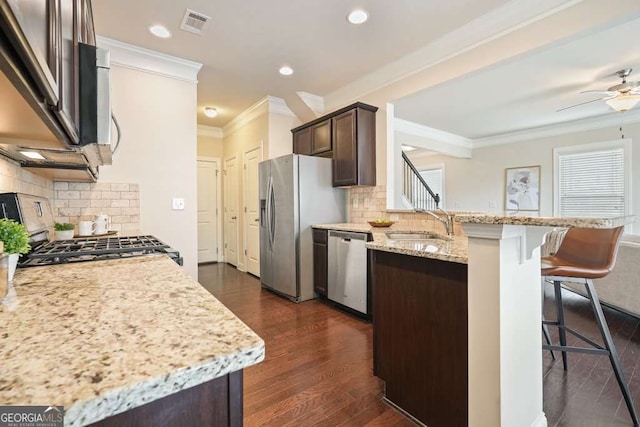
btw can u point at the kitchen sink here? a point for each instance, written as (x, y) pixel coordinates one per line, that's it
(414, 236)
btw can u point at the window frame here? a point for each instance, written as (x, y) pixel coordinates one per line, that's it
(625, 144)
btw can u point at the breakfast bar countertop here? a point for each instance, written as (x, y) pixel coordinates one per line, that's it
(452, 249)
(103, 337)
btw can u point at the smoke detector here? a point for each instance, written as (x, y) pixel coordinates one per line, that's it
(194, 22)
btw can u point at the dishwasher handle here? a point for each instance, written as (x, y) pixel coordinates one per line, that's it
(348, 235)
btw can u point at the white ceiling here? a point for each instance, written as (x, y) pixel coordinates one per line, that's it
(246, 42)
(525, 92)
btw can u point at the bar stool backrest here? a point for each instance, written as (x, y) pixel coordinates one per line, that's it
(591, 248)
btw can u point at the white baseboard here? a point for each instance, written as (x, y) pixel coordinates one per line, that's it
(241, 267)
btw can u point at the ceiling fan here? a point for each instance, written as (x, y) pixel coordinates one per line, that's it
(621, 97)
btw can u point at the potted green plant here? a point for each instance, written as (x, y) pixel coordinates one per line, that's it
(15, 238)
(64, 231)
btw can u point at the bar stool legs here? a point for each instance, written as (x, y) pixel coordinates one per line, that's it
(560, 319)
(613, 354)
(609, 348)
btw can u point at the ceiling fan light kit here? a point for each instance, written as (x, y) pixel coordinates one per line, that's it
(623, 102)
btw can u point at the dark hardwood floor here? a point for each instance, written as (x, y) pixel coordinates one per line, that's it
(587, 394)
(318, 364)
(318, 367)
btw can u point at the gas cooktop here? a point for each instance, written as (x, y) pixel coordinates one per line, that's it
(95, 249)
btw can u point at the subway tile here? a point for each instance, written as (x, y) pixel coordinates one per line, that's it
(131, 211)
(91, 195)
(119, 187)
(120, 219)
(79, 203)
(110, 195)
(79, 186)
(75, 195)
(129, 195)
(120, 203)
(100, 203)
(101, 186)
(61, 186)
(134, 187)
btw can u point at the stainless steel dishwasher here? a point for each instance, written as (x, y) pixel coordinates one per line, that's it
(347, 278)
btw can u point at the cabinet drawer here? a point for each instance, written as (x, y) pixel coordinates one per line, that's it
(319, 236)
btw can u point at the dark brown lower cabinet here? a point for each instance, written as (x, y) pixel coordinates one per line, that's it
(420, 336)
(215, 403)
(320, 260)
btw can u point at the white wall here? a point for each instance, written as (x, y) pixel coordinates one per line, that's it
(158, 151)
(471, 184)
(280, 136)
(209, 146)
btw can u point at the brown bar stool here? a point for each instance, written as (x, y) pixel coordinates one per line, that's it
(586, 254)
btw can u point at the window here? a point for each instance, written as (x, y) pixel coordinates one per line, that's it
(434, 177)
(593, 180)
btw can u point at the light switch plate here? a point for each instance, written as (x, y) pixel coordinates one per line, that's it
(177, 204)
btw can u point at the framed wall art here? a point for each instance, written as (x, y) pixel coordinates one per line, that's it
(522, 188)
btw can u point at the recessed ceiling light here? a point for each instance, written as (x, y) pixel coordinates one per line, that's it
(358, 16)
(286, 70)
(210, 112)
(33, 155)
(160, 31)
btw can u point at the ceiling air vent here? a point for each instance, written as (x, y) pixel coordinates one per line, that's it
(194, 21)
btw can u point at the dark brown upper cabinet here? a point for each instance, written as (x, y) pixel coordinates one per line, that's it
(302, 142)
(44, 35)
(321, 138)
(348, 136)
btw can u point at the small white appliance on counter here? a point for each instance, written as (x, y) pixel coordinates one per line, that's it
(296, 192)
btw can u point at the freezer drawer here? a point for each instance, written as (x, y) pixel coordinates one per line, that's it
(347, 278)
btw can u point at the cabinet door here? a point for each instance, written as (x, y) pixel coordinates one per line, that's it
(321, 137)
(345, 156)
(302, 141)
(320, 255)
(31, 26)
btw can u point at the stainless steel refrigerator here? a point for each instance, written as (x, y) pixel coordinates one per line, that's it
(295, 192)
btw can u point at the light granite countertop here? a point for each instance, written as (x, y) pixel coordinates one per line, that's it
(480, 218)
(103, 337)
(452, 249)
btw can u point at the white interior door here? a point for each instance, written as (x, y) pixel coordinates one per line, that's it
(231, 178)
(207, 210)
(251, 209)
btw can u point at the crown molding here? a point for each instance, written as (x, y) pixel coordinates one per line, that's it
(582, 125)
(267, 105)
(210, 131)
(510, 17)
(149, 61)
(315, 102)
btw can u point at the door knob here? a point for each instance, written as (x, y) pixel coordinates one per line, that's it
(233, 217)
(256, 220)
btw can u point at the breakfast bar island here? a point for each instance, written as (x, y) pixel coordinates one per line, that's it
(132, 342)
(467, 328)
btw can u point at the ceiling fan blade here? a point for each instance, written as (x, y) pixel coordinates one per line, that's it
(577, 105)
(604, 92)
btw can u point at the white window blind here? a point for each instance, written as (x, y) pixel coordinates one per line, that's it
(592, 184)
(433, 178)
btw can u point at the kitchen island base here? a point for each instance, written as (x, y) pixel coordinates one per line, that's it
(215, 403)
(420, 336)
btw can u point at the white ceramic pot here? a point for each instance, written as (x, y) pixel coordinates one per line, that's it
(64, 234)
(13, 262)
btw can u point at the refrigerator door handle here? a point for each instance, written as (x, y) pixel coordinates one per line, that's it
(272, 214)
(268, 212)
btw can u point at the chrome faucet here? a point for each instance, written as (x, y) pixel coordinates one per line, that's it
(447, 221)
